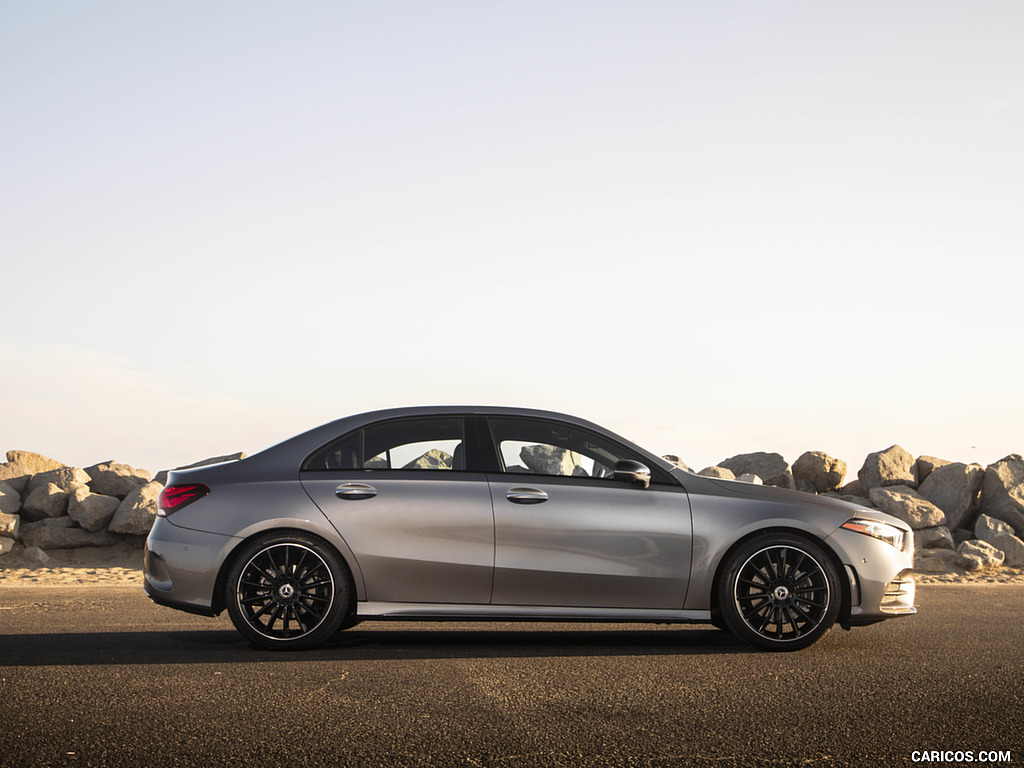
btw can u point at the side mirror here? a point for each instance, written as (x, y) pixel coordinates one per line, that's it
(630, 471)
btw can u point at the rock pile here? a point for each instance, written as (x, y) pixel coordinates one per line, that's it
(46, 505)
(963, 515)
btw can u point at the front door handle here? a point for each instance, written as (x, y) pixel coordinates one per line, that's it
(526, 496)
(355, 491)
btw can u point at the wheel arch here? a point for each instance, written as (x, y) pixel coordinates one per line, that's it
(844, 582)
(218, 599)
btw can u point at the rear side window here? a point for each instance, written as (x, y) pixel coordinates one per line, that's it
(410, 444)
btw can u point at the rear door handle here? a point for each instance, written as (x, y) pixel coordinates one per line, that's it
(355, 491)
(526, 496)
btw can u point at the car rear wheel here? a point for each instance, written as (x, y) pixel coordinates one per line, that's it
(780, 592)
(288, 592)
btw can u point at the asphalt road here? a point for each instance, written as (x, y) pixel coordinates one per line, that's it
(105, 678)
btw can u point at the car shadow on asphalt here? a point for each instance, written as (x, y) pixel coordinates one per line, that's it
(227, 646)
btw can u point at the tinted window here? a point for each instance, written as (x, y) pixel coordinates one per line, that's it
(409, 444)
(550, 448)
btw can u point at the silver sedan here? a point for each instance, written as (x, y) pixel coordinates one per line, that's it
(510, 514)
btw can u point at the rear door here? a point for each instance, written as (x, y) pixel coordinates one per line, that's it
(420, 526)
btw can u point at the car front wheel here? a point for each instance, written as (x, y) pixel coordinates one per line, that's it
(780, 592)
(288, 592)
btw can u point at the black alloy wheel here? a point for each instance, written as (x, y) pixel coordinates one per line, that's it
(288, 592)
(780, 592)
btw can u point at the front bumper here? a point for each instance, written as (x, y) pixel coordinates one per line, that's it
(881, 577)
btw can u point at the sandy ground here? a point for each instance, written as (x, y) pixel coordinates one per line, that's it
(122, 564)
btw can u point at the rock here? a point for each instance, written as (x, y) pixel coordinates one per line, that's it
(988, 528)
(904, 503)
(1012, 516)
(749, 478)
(930, 565)
(137, 512)
(853, 488)
(65, 478)
(432, 459)
(770, 467)
(883, 469)
(35, 555)
(92, 511)
(551, 460)
(59, 537)
(6, 545)
(45, 501)
(161, 476)
(938, 537)
(10, 499)
(928, 464)
(977, 555)
(820, 470)
(1013, 549)
(21, 465)
(718, 472)
(954, 488)
(1003, 489)
(805, 486)
(960, 535)
(672, 458)
(113, 479)
(9, 525)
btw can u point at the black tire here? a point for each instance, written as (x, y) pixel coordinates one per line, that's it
(288, 591)
(780, 592)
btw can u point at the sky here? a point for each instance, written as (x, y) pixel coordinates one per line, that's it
(714, 228)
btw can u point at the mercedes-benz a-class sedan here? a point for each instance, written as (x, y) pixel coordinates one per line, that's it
(504, 514)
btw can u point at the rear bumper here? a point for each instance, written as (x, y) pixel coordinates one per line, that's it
(193, 557)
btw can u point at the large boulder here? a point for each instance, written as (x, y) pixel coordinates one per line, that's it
(65, 478)
(161, 476)
(9, 525)
(938, 537)
(770, 467)
(1012, 547)
(749, 478)
(92, 511)
(10, 499)
(45, 501)
(720, 473)
(1002, 493)
(988, 528)
(113, 479)
(819, 470)
(673, 459)
(65, 537)
(905, 503)
(432, 459)
(954, 489)
(928, 464)
(977, 555)
(883, 469)
(21, 465)
(551, 460)
(136, 514)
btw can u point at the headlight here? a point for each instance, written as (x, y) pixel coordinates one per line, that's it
(890, 534)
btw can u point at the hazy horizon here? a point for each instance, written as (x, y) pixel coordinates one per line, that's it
(712, 228)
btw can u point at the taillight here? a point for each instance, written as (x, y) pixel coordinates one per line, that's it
(176, 497)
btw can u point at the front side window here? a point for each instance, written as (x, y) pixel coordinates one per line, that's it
(427, 444)
(549, 448)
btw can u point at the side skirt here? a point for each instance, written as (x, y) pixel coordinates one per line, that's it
(441, 612)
